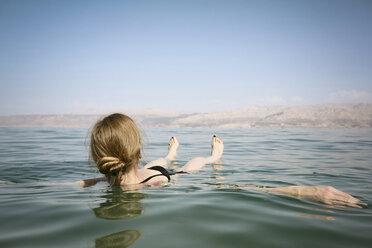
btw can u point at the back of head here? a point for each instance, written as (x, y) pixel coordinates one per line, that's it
(115, 144)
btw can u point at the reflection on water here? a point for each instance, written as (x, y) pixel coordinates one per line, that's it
(120, 204)
(317, 216)
(120, 239)
(216, 176)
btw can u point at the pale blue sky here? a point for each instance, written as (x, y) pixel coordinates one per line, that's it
(196, 56)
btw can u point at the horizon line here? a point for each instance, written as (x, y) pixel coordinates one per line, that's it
(174, 111)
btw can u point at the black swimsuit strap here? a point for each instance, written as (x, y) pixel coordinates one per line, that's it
(166, 172)
(162, 170)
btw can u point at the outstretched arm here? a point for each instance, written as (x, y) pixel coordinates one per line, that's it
(91, 182)
(326, 194)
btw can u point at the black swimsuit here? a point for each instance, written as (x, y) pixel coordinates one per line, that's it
(163, 171)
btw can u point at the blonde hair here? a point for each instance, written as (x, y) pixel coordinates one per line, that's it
(115, 146)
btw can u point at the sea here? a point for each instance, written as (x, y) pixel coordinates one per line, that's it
(42, 206)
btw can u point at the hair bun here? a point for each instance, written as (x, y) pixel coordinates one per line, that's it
(110, 165)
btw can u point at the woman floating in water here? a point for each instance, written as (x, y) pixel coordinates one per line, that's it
(115, 147)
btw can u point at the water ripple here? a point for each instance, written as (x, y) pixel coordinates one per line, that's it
(212, 208)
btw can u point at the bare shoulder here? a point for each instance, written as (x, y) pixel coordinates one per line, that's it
(152, 177)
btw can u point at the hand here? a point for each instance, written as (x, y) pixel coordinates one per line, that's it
(332, 196)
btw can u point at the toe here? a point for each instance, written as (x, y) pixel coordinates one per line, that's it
(173, 142)
(217, 139)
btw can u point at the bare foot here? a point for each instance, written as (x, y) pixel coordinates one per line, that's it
(172, 149)
(217, 147)
(199, 162)
(172, 155)
(217, 150)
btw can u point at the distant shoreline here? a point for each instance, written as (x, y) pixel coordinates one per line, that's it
(306, 116)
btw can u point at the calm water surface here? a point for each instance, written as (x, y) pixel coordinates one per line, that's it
(210, 208)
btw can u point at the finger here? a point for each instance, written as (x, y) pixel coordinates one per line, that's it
(351, 199)
(345, 197)
(345, 203)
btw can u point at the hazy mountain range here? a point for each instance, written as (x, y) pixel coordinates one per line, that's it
(310, 116)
